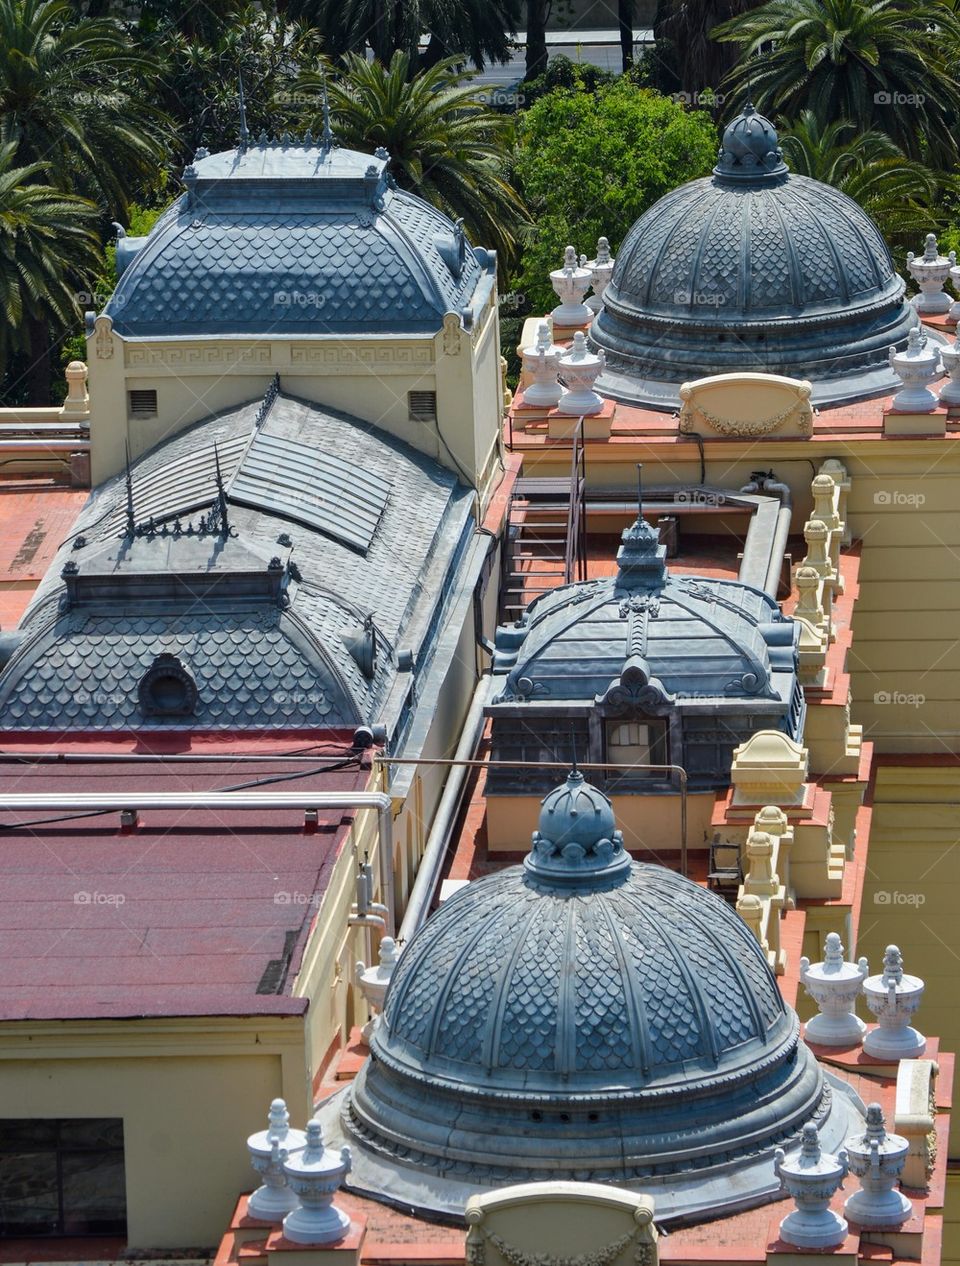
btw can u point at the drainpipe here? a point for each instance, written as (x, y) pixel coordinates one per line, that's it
(765, 484)
(237, 801)
(435, 851)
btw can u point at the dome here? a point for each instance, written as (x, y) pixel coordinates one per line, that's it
(676, 637)
(584, 1017)
(752, 269)
(295, 237)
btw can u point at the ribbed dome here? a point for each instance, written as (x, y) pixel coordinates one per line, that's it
(752, 269)
(581, 1023)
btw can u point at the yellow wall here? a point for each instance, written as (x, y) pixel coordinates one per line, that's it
(189, 1093)
(912, 890)
(647, 822)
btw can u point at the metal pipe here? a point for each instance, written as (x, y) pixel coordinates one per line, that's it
(781, 533)
(237, 801)
(465, 763)
(435, 849)
(44, 447)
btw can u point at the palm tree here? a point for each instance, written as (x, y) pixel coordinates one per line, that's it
(901, 196)
(536, 57)
(74, 97)
(690, 60)
(49, 255)
(477, 29)
(886, 65)
(444, 141)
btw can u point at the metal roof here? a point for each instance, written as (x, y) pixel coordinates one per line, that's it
(317, 488)
(258, 663)
(292, 239)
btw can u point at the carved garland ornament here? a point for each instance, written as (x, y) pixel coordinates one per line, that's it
(644, 1252)
(738, 427)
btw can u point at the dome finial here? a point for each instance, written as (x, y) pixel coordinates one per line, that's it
(750, 148)
(577, 844)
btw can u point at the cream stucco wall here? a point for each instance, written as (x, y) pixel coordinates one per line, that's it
(368, 376)
(188, 1091)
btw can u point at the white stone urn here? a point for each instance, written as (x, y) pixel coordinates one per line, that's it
(893, 997)
(930, 270)
(315, 1174)
(877, 1158)
(579, 370)
(916, 366)
(954, 313)
(541, 364)
(812, 1178)
(950, 391)
(834, 985)
(601, 270)
(267, 1150)
(373, 982)
(571, 283)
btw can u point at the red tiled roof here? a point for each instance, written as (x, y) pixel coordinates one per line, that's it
(180, 916)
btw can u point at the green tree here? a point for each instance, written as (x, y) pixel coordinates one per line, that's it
(904, 198)
(444, 141)
(75, 96)
(205, 60)
(886, 65)
(590, 163)
(477, 29)
(690, 61)
(49, 256)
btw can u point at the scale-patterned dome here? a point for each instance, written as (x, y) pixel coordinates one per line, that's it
(583, 1016)
(752, 269)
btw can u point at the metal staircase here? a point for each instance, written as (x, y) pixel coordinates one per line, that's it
(546, 536)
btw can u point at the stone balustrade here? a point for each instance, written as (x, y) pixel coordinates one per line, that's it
(817, 578)
(762, 897)
(915, 1118)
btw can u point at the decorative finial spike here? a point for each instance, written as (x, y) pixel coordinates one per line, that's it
(221, 494)
(131, 516)
(327, 138)
(244, 133)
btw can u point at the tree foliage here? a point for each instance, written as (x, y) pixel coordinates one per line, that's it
(478, 29)
(445, 142)
(901, 196)
(886, 65)
(76, 97)
(591, 163)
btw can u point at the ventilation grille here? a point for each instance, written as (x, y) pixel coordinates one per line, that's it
(143, 404)
(422, 406)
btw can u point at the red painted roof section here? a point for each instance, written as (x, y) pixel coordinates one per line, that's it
(35, 516)
(179, 916)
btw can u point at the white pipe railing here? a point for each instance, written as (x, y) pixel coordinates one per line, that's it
(236, 801)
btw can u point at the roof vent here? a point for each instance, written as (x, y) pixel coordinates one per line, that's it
(422, 406)
(167, 689)
(142, 404)
(363, 647)
(453, 249)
